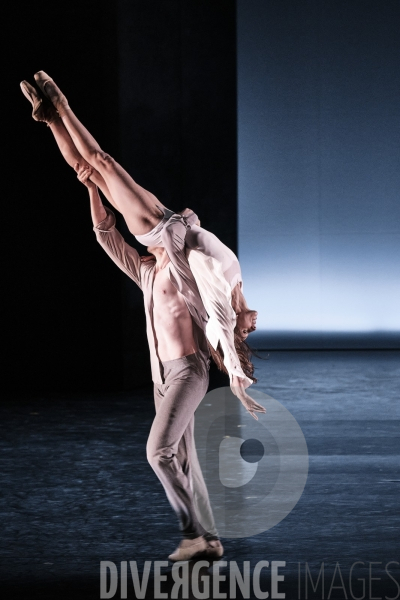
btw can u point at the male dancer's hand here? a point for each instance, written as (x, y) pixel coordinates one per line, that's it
(84, 172)
(97, 209)
(237, 387)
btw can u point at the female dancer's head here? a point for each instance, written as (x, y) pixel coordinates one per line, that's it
(245, 317)
(246, 323)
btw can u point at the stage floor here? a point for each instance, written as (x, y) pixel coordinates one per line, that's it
(76, 488)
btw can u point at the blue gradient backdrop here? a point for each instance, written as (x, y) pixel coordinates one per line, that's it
(319, 158)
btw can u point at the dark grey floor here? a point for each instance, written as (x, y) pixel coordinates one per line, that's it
(76, 487)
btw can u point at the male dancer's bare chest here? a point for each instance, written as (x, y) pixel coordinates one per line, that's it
(167, 300)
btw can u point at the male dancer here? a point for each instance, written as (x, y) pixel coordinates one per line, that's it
(179, 354)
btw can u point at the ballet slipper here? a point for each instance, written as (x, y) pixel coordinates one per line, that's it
(214, 550)
(52, 92)
(42, 109)
(189, 549)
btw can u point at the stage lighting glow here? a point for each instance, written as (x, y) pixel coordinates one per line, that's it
(318, 176)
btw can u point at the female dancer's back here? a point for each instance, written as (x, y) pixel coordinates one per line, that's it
(199, 239)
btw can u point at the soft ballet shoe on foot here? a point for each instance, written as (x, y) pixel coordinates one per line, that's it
(214, 550)
(42, 109)
(189, 549)
(52, 92)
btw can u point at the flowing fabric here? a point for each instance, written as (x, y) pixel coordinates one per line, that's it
(216, 271)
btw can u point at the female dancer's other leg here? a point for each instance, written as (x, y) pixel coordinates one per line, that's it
(44, 111)
(72, 156)
(138, 205)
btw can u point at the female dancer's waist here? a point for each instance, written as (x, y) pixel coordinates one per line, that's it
(153, 237)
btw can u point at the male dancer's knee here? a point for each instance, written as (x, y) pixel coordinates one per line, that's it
(159, 458)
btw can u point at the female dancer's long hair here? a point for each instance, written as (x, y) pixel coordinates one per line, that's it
(244, 353)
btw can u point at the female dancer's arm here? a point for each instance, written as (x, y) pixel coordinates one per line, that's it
(215, 293)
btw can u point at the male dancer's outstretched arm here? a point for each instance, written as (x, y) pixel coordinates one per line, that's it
(124, 256)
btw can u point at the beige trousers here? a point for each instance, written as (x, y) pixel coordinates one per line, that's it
(171, 447)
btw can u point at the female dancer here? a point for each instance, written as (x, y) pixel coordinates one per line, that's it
(215, 267)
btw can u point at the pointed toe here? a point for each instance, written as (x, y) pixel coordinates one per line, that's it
(42, 109)
(51, 90)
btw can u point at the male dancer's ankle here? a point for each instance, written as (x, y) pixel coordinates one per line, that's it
(211, 538)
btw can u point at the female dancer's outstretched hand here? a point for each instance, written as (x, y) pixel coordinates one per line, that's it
(251, 405)
(84, 172)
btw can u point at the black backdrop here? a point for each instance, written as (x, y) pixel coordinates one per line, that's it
(155, 82)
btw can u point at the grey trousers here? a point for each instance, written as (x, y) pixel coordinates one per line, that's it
(171, 449)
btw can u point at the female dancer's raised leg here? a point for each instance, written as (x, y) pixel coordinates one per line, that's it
(72, 157)
(44, 111)
(138, 205)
